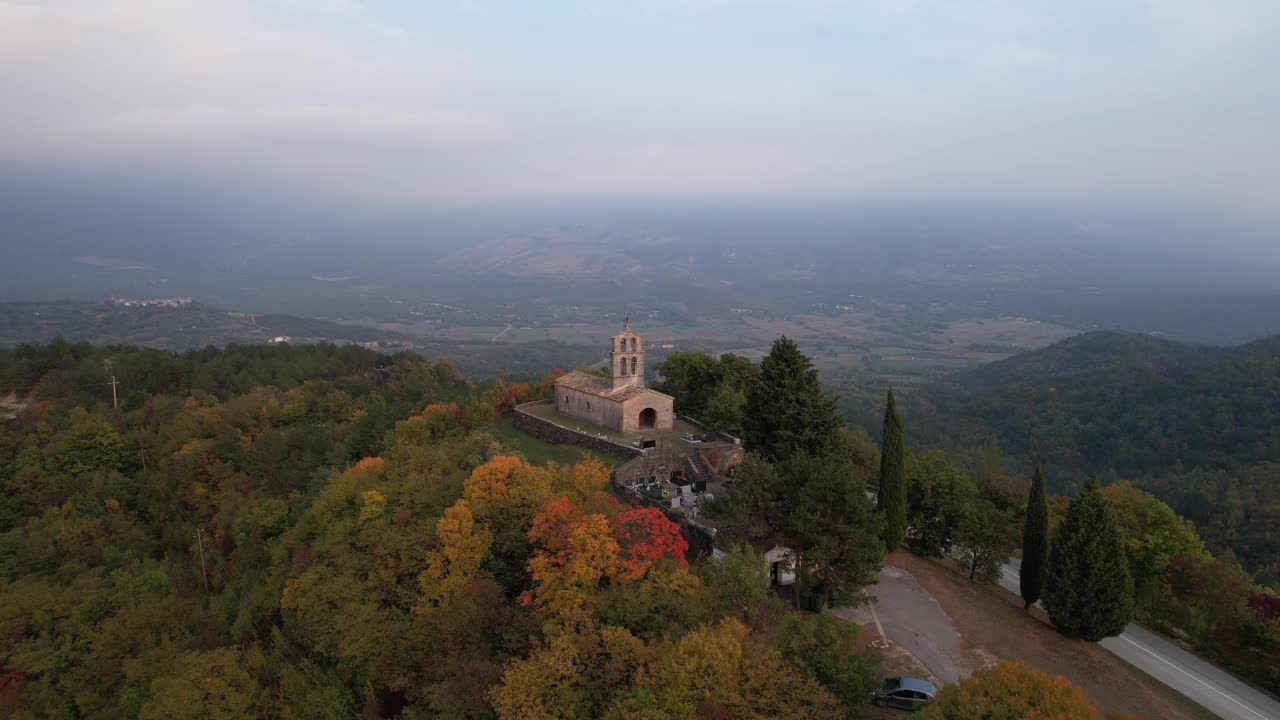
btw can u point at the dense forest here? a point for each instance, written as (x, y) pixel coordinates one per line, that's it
(1103, 350)
(326, 532)
(1131, 421)
(1193, 424)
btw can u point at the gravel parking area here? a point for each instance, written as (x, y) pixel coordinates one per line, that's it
(991, 620)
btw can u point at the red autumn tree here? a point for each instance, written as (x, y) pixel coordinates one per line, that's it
(645, 536)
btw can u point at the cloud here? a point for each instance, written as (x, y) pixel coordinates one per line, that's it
(1138, 101)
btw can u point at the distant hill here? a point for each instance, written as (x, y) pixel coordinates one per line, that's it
(1117, 403)
(1195, 425)
(1103, 350)
(176, 327)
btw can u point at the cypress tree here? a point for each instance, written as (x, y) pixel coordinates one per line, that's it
(892, 498)
(1035, 542)
(1088, 588)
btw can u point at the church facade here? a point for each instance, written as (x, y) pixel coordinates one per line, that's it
(621, 401)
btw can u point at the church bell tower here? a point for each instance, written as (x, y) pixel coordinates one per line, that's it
(626, 358)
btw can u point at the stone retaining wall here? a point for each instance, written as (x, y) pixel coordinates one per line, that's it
(653, 463)
(560, 435)
(701, 426)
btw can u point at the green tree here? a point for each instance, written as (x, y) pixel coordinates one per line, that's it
(726, 408)
(787, 412)
(1153, 535)
(831, 525)
(211, 685)
(892, 497)
(828, 649)
(738, 581)
(986, 537)
(818, 507)
(690, 378)
(935, 491)
(1088, 588)
(1035, 542)
(367, 434)
(90, 443)
(714, 390)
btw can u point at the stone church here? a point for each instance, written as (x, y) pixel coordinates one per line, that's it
(621, 401)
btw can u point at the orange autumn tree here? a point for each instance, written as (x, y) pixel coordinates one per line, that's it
(576, 555)
(507, 478)
(1011, 690)
(511, 480)
(552, 524)
(368, 465)
(579, 551)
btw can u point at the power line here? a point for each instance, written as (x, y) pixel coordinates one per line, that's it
(203, 571)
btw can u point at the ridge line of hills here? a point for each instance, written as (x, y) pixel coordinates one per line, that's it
(1194, 425)
(1105, 350)
(1116, 404)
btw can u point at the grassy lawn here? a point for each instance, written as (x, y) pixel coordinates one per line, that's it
(540, 452)
(549, 412)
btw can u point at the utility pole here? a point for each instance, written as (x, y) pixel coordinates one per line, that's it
(115, 403)
(203, 571)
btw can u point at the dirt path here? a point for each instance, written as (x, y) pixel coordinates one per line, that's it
(993, 620)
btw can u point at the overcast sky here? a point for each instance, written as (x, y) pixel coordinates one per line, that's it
(438, 103)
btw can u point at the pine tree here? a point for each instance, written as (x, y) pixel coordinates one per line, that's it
(1035, 542)
(787, 413)
(1088, 588)
(892, 498)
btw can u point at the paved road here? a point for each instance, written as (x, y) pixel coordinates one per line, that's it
(908, 615)
(1218, 691)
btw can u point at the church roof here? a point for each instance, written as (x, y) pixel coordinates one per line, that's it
(601, 387)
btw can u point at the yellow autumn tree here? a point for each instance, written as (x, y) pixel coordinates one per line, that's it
(372, 504)
(542, 686)
(580, 480)
(1011, 690)
(717, 670)
(703, 666)
(461, 547)
(572, 676)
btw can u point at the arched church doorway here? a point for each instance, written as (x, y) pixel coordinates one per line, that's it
(648, 418)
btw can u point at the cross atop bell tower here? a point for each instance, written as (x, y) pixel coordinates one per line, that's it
(626, 357)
